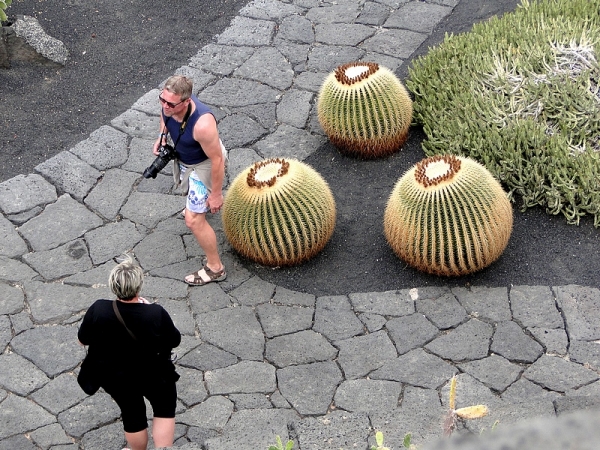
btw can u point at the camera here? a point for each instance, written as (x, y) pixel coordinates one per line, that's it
(165, 154)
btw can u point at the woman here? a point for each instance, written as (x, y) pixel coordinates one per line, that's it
(133, 356)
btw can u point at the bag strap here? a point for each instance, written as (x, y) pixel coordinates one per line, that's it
(116, 309)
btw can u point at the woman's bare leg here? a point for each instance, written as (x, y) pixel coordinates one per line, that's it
(163, 432)
(137, 440)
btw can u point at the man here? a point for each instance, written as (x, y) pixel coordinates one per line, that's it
(200, 164)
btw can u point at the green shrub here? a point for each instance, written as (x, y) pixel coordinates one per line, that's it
(3, 5)
(521, 95)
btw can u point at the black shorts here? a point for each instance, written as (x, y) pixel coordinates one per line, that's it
(162, 396)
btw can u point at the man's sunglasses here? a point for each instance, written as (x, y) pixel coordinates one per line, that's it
(170, 104)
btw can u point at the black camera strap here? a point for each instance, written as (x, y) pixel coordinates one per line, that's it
(182, 126)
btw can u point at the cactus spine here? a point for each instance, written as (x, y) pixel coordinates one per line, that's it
(448, 216)
(365, 110)
(279, 212)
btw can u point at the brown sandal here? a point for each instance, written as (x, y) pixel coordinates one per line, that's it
(205, 276)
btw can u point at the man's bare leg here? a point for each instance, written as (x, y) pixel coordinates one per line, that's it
(207, 239)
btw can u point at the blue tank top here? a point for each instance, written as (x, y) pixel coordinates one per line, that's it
(189, 151)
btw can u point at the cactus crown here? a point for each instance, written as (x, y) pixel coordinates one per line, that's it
(266, 173)
(355, 72)
(437, 170)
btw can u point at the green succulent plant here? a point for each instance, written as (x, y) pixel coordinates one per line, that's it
(468, 412)
(288, 446)
(519, 93)
(4, 4)
(448, 216)
(279, 212)
(365, 110)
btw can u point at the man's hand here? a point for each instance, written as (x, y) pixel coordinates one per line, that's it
(215, 201)
(157, 145)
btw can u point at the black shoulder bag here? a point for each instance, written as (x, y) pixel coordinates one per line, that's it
(116, 309)
(88, 378)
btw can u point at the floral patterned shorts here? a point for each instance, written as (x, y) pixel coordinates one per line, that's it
(200, 184)
(197, 199)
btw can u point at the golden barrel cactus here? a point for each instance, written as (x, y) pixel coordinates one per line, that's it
(365, 110)
(448, 216)
(279, 212)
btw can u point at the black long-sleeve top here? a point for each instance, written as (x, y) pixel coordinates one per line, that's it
(115, 353)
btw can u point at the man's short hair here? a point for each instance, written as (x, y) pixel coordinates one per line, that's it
(126, 279)
(180, 85)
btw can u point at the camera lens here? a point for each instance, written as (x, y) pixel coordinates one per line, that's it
(165, 154)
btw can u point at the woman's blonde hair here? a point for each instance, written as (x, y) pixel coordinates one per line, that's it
(126, 278)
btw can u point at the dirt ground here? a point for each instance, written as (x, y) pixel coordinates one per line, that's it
(121, 50)
(543, 249)
(118, 51)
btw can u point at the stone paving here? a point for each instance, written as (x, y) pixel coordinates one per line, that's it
(258, 360)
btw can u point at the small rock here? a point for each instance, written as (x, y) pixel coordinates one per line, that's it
(29, 29)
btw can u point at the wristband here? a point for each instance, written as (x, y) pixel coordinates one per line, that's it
(161, 135)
